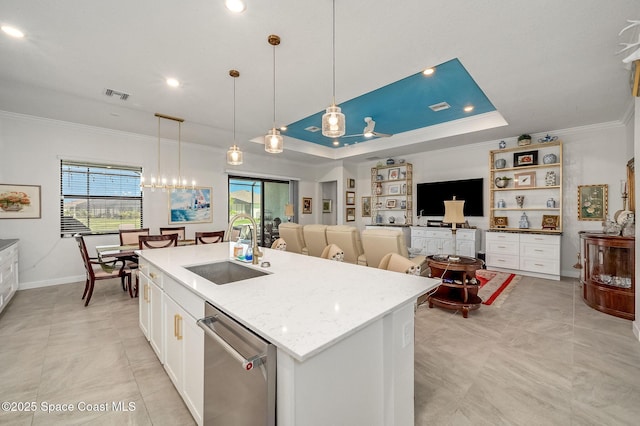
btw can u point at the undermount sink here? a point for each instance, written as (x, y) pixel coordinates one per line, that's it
(225, 272)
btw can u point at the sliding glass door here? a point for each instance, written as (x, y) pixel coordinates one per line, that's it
(262, 199)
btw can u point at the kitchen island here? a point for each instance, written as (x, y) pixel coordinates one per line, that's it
(343, 332)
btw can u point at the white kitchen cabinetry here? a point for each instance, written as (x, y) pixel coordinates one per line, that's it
(440, 241)
(150, 302)
(528, 254)
(168, 315)
(8, 271)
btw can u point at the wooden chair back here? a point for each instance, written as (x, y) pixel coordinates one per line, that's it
(130, 236)
(209, 237)
(180, 230)
(157, 241)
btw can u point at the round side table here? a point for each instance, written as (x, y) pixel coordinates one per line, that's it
(459, 289)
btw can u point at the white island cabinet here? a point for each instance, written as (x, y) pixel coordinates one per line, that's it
(344, 333)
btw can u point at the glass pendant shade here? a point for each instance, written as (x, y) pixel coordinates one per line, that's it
(333, 122)
(234, 156)
(273, 141)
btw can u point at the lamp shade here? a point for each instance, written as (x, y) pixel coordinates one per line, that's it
(288, 210)
(234, 156)
(273, 141)
(453, 211)
(333, 122)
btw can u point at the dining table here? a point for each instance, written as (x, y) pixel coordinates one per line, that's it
(128, 253)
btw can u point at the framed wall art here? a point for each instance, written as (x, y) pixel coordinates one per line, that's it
(20, 202)
(190, 206)
(306, 205)
(529, 158)
(500, 221)
(351, 198)
(550, 221)
(351, 183)
(351, 214)
(394, 189)
(366, 206)
(525, 180)
(394, 174)
(593, 202)
(391, 204)
(327, 205)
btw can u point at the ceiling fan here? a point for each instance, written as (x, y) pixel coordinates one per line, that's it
(369, 130)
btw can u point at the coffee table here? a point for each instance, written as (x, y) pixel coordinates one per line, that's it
(459, 288)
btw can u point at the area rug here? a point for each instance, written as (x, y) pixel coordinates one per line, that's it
(495, 286)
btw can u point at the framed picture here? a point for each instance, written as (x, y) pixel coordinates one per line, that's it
(326, 206)
(366, 206)
(351, 198)
(529, 158)
(351, 183)
(593, 202)
(550, 221)
(20, 201)
(391, 204)
(190, 206)
(394, 189)
(394, 173)
(525, 180)
(306, 205)
(500, 221)
(351, 214)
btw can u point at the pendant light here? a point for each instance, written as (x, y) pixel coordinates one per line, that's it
(159, 180)
(234, 155)
(333, 120)
(273, 141)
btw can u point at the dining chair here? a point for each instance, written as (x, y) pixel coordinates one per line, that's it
(378, 242)
(180, 230)
(294, 236)
(347, 238)
(106, 271)
(129, 237)
(209, 237)
(157, 241)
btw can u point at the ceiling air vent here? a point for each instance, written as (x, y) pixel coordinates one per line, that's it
(313, 129)
(110, 92)
(439, 107)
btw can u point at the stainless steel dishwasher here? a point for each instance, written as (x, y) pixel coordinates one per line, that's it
(239, 373)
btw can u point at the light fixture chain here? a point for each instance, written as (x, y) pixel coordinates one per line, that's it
(234, 111)
(274, 86)
(179, 153)
(158, 170)
(333, 43)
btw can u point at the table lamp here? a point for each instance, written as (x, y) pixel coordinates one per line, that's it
(288, 211)
(454, 214)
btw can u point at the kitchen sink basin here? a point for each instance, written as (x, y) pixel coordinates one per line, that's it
(225, 272)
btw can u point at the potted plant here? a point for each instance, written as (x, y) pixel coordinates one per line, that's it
(524, 139)
(502, 181)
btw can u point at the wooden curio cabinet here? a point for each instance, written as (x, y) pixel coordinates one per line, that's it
(608, 276)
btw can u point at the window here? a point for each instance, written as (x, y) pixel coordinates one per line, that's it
(98, 198)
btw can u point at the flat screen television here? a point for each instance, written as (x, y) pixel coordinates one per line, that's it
(431, 195)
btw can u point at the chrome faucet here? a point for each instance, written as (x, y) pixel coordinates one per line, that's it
(254, 235)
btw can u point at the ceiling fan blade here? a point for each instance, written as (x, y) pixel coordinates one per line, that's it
(351, 136)
(382, 135)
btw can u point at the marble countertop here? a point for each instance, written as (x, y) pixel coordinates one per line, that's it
(6, 243)
(305, 304)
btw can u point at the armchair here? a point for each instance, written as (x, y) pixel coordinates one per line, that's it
(292, 234)
(315, 238)
(348, 239)
(378, 242)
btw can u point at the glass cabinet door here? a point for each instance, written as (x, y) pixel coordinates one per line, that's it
(609, 265)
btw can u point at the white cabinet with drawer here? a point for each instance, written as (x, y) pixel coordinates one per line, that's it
(440, 241)
(526, 253)
(8, 271)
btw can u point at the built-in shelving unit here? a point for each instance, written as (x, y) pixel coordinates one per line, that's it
(391, 194)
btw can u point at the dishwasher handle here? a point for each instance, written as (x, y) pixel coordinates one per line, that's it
(247, 363)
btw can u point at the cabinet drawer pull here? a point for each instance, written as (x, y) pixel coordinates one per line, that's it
(502, 247)
(146, 293)
(539, 251)
(176, 326)
(539, 264)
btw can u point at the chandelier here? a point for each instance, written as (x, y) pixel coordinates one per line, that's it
(234, 155)
(159, 180)
(273, 141)
(333, 120)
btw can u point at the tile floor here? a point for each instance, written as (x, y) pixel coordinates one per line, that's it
(542, 358)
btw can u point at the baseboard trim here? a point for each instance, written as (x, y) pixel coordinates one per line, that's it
(49, 283)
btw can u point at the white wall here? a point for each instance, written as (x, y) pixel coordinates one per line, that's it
(31, 151)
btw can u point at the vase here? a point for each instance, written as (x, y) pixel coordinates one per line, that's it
(524, 142)
(550, 159)
(550, 178)
(378, 188)
(501, 163)
(12, 207)
(520, 200)
(501, 183)
(524, 221)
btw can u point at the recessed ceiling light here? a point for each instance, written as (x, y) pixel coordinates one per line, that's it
(283, 128)
(336, 142)
(468, 108)
(173, 82)
(235, 6)
(429, 71)
(12, 31)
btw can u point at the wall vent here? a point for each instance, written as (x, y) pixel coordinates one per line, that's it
(313, 129)
(440, 106)
(122, 95)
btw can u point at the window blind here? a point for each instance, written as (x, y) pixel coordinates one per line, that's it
(98, 198)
